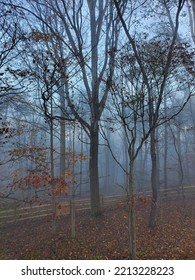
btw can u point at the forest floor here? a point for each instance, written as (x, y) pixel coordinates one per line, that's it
(104, 237)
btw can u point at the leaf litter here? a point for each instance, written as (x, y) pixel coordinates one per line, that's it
(104, 237)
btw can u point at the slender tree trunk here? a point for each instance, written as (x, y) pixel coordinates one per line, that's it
(73, 214)
(52, 177)
(165, 148)
(73, 217)
(142, 167)
(180, 166)
(187, 163)
(157, 160)
(107, 170)
(81, 166)
(62, 149)
(107, 162)
(165, 159)
(152, 217)
(126, 160)
(131, 213)
(62, 134)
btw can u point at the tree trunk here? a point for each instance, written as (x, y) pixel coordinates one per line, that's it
(73, 217)
(179, 153)
(93, 173)
(157, 160)
(52, 177)
(165, 148)
(81, 166)
(165, 159)
(180, 166)
(73, 214)
(152, 217)
(62, 133)
(107, 162)
(131, 214)
(62, 149)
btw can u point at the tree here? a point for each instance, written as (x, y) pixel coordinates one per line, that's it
(96, 72)
(154, 101)
(11, 37)
(129, 103)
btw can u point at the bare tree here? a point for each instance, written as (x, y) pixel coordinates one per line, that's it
(90, 34)
(154, 102)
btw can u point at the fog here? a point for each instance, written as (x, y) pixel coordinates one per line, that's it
(24, 129)
(97, 101)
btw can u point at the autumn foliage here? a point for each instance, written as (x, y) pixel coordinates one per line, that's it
(39, 177)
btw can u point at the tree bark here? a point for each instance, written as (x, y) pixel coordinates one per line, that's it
(165, 149)
(52, 177)
(73, 210)
(152, 217)
(93, 172)
(131, 213)
(62, 133)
